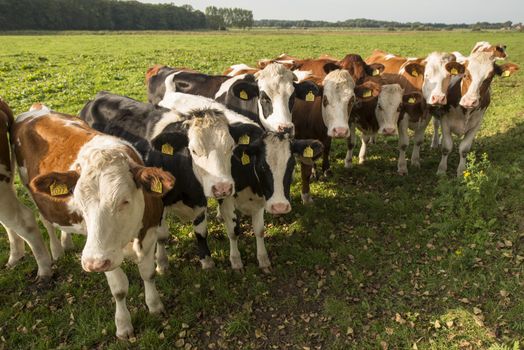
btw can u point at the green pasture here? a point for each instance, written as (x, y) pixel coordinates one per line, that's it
(379, 261)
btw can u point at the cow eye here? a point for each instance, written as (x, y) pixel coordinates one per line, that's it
(123, 204)
(325, 101)
(399, 108)
(264, 97)
(379, 107)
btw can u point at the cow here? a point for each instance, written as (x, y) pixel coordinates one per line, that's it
(195, 145)
(18, 220)
(468, 98)
(264, 97)
(86, 182)
(263, 172)
(430, 77)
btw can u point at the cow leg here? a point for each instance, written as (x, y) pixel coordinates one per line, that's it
(227, 209)
(464, 147)
(352, 140)
(362, 153)
(258, 227)
(326, 167)
(418, 140)
(435, 142)
(16, 247)
(146, 267)
(305, 173)
(56, 247)
(119, 285)
(403, 142)
(200, 227)
(66, 241)
(446, 147)
(162, 262)
(21, 222)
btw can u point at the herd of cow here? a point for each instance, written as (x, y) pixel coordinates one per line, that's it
(114, 172)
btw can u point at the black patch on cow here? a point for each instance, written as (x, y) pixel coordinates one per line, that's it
(203, 249)
(198, 220)
(265, 103)
(305, 87)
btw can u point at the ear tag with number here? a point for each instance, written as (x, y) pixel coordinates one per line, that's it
(414, 73)
(454, 71)
(156, 185)
(308, 152)
(58, 189)
(167, 149)
(310, 97)
(375, 72)
(243, 95)
(243, 140)
(245, 159)
(367, 93)
(412, 100)
(506, 73)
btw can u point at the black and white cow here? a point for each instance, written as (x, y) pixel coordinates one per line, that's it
(266, 97)
(196, 148)
(263, 172)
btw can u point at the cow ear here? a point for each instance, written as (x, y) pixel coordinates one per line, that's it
(412, 99)
(307, 150)
(245, 90)
(152, 71)
(54, 185)
(170, 142)
(455, 68)
(330, 66)
(506, 69)
(153, 180)
(374, 69)
(305, 90)
(414, 69)
(366, 92)
(245, 134)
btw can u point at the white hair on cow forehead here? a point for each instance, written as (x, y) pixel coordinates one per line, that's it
(390, 89)
(340, 78)
(209, 128)
(273, 70)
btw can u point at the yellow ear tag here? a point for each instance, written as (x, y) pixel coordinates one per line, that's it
(58, 189)
(367, 93)
(310, 97)
(243, 95)
(243, 140)
(414, 73)
(156, 185)
(375, 72)
(167, 149)
(506, 73)
(454, 71)
(412, 100)
(308, 152)
(245, 159)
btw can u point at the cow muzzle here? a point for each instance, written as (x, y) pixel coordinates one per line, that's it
(469, 102)
(279, 208)
(339, 132)
(438, 100)
(96, 265)
(286, 128)
(389, 131)
(222, 189)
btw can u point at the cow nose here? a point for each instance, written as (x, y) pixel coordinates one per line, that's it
(389, 131)
(222, 189)
(96, 265)
(470, 102)
(280, 208)
(340, 132)
(438, 99)
(287, 128)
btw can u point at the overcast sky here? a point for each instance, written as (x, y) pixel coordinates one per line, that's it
(446, 11)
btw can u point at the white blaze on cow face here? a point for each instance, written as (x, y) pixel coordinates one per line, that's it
(110, 202)
(479, 68)
(436, 78)
(388, 109)
(337, 102)
(275, 83)
(211, 147)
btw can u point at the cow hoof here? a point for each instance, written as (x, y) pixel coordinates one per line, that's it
(361, 161)
(161, 270)
(207, 263)
(415, 164)
(306, 198)
(327, 174)
(43, 281)
(348, 165)
(402, 172)
(125, 334)
(13, 261)
(236, 263)
(435, 145)
(57, 252)
(266, 270)
(157, 309)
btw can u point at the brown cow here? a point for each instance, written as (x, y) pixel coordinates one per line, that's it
(87, 182)
(17, 219)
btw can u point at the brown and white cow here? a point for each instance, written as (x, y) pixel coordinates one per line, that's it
(17, 219)
(468, 98)
(430, 77)
(94, 184)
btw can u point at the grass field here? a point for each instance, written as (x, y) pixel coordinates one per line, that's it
(379, 261)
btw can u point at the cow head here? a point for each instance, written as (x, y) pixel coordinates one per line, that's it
(337, 101)
(438, 70)
(107, 189)
(480, 70)
(389, 106)
(498, 51)
(358, 69)
(273, 160)
(413, 104)
(278, 88)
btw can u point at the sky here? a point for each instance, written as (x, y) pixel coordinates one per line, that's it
(443, 11)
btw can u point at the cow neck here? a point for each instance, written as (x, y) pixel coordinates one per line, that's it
(246, 176)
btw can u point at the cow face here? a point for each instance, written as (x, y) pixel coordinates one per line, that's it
(273, 158)
(477, 78)
(498, 51)
(108, 190)
(337, 101)
(389, 106)
(211, 147)
(358, 69)
(278, 90)
(439, 69)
